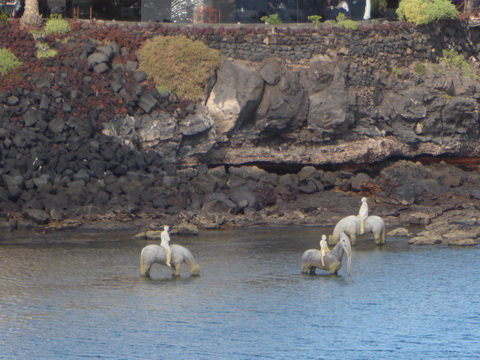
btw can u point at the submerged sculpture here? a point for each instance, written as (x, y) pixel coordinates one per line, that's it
(152, 254)
(350, 225)
(331, 262)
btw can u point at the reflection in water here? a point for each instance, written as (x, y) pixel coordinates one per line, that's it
(70, 301)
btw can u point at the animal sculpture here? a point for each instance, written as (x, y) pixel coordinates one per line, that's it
(152, 254)
(350, 225)
(312, 259)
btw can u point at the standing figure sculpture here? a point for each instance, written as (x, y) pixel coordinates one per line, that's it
(324, 248)
(165, 241)
(363, 214)
(312, 259)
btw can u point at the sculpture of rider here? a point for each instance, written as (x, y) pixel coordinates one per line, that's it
(324, 248)
(363, 214)
(165, 240)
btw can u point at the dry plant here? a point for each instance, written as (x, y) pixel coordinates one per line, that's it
(179, 64)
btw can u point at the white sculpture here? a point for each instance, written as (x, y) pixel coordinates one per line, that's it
(324, 248)
(363, 214)
(165, 243)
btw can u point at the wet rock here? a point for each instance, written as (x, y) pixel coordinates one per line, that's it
(39, 217)
(399, 232)
(419, 219)
(185, 229)
(458, 228)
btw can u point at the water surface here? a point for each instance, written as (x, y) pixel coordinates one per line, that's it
(77, 296)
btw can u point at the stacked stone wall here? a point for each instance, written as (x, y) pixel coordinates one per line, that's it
(386, 45)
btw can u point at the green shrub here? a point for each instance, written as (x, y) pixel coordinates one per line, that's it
(419, 68)
(453, 60)
(348, 24)
(396, 71)
(342, 21)
(162, 89)
(315, 19)
(421, 12)
(44, 51)
(179, 64)
(273, 19)
(56, 25)
(8, 61)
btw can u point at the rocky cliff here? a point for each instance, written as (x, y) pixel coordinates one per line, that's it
(295, 128)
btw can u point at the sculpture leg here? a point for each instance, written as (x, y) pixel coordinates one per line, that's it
(176, 269)
(145, 271)
(353, 239)
(144, 268)
(168, 256)
(195, 270)
(362, 226)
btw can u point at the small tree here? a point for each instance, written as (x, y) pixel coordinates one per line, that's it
(272, 20)
(421, 12)
(315, 19)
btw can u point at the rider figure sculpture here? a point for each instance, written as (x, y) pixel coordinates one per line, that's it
(323, 248)
(165, 240)
(363, 214)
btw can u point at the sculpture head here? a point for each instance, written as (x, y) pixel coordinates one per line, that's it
(364, 199)
(166, 228)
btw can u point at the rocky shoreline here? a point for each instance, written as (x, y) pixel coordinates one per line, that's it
(441, 200)
(88, 142)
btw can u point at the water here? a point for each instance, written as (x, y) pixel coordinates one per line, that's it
(78, 298)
